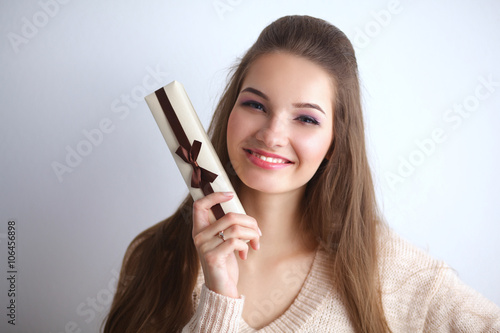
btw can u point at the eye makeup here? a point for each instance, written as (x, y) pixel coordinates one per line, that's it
(253, 104)
(306, 119)
(303, 118)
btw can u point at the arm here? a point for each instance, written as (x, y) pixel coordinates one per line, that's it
(455, 307)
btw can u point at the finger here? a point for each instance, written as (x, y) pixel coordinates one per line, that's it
(202, 209)
(233, 219)
(244, 233)
(212, 199)
(255, 243)
(206, 240)
(227, 221)
(206, 244)
(218, 276)
(217, 256)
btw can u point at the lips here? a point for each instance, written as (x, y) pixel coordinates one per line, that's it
(267, 160)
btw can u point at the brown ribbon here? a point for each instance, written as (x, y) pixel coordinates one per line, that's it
(200, 178)
(199, 174)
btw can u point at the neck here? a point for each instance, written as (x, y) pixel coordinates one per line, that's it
(278, 217)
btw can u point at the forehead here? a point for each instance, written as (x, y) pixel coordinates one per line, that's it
(280, 74)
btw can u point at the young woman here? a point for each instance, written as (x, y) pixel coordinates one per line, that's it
(319, 258)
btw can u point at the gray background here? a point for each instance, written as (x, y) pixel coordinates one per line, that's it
(71, 67)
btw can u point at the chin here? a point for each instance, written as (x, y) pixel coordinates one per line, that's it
(260, 185)
(265, 186)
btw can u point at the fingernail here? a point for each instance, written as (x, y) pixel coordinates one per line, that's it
(260, 232)
(228, 194)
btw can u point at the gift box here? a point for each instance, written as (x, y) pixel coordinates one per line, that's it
(190, 146)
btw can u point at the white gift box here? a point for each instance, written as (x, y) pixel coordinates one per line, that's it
(190, 146)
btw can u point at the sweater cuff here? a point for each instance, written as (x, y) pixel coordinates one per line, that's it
(217, 313)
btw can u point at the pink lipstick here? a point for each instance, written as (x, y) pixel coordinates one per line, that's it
(267, 160)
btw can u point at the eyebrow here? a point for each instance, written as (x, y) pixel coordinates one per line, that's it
(297, 105)
(256, 92)
(309, 106)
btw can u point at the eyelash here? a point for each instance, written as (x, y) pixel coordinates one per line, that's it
(308, 120)
(254, 105)
(303, 118)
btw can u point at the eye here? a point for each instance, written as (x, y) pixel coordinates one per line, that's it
(308, 120)
(254, 105)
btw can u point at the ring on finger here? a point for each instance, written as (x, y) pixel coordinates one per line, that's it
(221, 235)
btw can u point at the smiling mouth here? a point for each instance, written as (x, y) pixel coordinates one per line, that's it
(268, 159)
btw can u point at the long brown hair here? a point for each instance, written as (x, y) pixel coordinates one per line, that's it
(161, 265)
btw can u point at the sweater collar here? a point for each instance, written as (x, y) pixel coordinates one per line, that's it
(317, 285)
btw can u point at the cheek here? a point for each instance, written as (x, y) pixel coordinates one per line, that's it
(235, 129)
(239, 126)
(314, 148)
(232, 128)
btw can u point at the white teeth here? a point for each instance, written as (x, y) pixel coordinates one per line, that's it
(269, 159)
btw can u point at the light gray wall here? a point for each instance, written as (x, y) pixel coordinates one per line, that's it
(73, 77)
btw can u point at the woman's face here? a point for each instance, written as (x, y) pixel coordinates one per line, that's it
(281, 127)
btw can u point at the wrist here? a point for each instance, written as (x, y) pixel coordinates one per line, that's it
(225, 291)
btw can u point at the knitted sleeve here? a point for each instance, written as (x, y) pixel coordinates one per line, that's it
(455, 307)
(215, 313)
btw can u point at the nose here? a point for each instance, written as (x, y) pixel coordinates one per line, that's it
(273, 133)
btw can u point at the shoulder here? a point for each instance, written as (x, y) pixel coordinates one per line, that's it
(407, 273)
(421, 293)
(398, 258)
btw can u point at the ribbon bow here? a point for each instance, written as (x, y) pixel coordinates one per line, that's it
(199, 174)
(200, 178)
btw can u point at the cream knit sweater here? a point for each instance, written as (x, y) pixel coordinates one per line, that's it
(420, 294)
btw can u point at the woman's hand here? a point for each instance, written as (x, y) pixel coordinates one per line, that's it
(217, 256)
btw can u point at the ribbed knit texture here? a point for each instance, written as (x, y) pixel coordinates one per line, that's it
(419, 294)
(220, 314)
